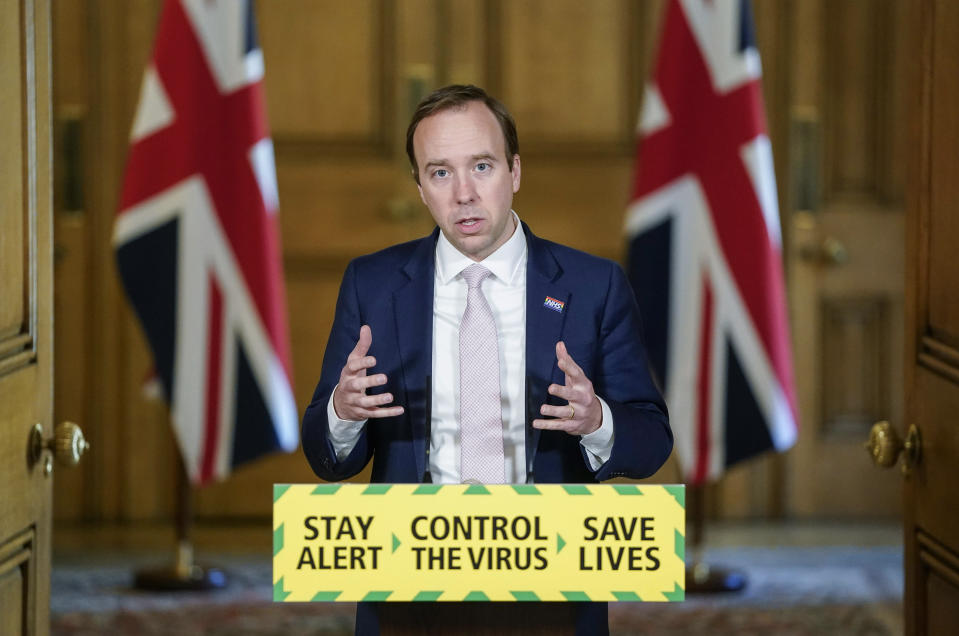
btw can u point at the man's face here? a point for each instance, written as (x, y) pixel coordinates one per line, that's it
(465, 177)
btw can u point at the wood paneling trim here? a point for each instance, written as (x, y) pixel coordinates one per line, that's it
(311, 148)
(14, 346)
(854, 368)
(15, 340)
(21, 542)
(15, 560)
(919, 185)
(19, 553)
(940, 358)
(15, 362)
(940, 559)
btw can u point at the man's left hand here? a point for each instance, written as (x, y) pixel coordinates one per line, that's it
(583, 414)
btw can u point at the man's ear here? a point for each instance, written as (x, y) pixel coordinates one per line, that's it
(516, 173)
(419, 189)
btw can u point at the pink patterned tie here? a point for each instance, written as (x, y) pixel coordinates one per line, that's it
(481, 425)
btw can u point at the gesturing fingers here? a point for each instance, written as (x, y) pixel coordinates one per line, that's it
(364, 342)
(350, 400)
(355, 365)
(361, 383)
(566, 363)
(583, 413)
(564, 412)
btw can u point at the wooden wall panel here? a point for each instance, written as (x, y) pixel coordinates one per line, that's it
(324, 78)
(850, 96)
(892, 102)
(464, 29)
(551, 50)
(855, 367)
(14, 220)
(337, 206)
(12, 244)
(944, 228)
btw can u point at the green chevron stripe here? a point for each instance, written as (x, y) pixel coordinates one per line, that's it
(279, 594)
(327, 595)
(278, 540)
(680, 542)
(560, 544)
(376, 489)
(627, 489)
(278, 490)
(379, 595)
(526, 489)
(427, 489)
(524, 596)
(627, 596)
(476, 489)
(576, 489)
(678, 594)
(476, 595)
(678, 492)
(428, 595)
(396, 542)
(326, 489)
(576, 596)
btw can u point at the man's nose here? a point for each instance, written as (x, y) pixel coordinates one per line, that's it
(465, 192)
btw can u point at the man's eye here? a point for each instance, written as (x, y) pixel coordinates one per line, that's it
(440, 173)
(482, 167)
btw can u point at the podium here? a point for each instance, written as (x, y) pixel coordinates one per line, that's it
(479, 559)
(478, 619)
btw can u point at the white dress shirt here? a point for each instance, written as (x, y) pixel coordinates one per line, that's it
(505, 291)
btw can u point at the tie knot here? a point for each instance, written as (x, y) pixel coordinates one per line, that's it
(474, 275)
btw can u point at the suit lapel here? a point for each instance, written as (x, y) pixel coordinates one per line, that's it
(413, 315)
(546, 301)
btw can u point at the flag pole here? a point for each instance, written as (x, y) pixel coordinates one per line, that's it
(701, 577)
(184, 574)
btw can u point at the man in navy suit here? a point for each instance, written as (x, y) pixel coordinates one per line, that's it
(577, 398)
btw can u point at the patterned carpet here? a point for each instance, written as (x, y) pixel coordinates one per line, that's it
(792, 591)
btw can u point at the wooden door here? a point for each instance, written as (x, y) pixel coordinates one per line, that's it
(845, 235)
(26, 345)
(931, 501)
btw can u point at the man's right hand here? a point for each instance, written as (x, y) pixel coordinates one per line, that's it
(350, 400)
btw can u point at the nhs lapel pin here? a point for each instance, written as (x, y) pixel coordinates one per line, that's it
(555, 305)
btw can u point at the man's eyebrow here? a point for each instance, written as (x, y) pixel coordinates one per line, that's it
(483, 156)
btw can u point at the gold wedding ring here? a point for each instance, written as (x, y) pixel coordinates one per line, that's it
(572, 412)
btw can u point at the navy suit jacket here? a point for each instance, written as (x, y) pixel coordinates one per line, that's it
(392, 292)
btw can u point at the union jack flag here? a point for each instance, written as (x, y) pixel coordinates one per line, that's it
(197, 239)
(705, 250)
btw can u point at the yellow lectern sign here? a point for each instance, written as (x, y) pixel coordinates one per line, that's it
(427, 542)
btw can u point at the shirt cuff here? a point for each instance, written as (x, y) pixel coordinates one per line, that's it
(344, 434)
(599, 443)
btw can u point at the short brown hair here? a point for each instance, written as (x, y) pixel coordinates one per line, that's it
(455, 96)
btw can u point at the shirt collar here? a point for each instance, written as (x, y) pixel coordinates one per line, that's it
(505, 263)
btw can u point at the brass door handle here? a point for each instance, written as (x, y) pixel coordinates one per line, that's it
(67, 446)
(885, 447)
(831, 251)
